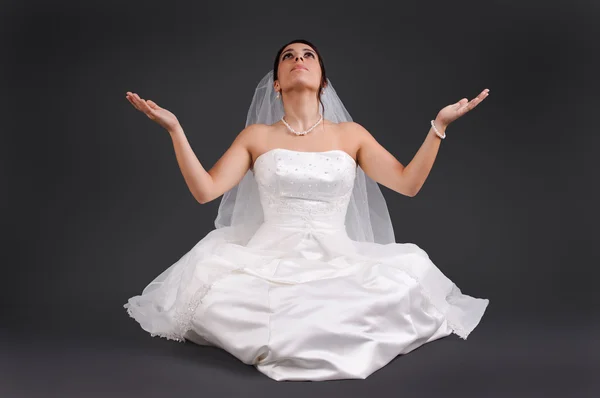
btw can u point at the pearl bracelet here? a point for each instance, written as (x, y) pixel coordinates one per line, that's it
(437, 132)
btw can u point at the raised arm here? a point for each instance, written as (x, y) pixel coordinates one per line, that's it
(383, 167)
(224, 175)
(379, 164)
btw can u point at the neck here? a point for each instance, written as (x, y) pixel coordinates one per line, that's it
(301, 109)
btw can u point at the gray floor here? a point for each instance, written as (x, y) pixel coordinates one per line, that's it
(501, 358)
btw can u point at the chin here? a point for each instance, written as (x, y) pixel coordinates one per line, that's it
(303, 81)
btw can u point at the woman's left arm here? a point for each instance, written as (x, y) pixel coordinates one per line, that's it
(384, 168)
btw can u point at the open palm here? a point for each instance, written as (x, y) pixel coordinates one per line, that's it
(452, 112)
(154, 112)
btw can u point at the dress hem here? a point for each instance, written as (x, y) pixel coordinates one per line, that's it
(464, 312)
(168, 336)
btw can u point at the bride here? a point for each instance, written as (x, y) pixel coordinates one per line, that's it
(302, 277)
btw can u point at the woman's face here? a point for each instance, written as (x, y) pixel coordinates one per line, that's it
(298, 66)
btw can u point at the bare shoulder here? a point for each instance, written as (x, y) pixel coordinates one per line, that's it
(252, 133)
(254, 138)
(354, 133)
(354, 128)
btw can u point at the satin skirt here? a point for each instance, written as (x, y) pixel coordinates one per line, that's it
(304, 302)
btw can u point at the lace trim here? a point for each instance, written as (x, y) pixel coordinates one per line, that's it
(183, 316)
(168, 336)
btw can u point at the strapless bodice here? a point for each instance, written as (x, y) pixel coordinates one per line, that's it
(307, 186)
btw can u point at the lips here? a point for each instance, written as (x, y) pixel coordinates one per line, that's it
(299, 67)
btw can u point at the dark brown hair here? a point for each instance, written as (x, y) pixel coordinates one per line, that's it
(323, 75)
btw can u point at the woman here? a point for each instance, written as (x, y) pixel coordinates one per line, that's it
(302, 277)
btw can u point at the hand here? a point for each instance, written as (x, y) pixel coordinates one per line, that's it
(160, 115)
(452, 112)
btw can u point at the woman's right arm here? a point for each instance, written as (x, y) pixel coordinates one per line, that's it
(224, 175)
(228, 171)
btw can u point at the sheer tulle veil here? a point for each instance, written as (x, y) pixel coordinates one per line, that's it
(367, 218)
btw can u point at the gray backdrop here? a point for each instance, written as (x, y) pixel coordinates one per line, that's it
(95, 206)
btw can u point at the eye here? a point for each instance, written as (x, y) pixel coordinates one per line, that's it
(285, 56)
(311, 54)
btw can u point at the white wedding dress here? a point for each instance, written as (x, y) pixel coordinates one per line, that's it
(300, 300)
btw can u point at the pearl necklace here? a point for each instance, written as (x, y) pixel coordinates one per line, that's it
(301, 132)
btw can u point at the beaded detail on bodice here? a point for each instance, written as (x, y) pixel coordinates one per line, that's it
(306, 184)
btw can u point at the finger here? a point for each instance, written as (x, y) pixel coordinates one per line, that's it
(461, 103)
(130, 99)
(132, 102)
(139, 103)
(136, 101)
(475, 101)
(464, 107)
(144, 106)
(482, 95)
(153, 104)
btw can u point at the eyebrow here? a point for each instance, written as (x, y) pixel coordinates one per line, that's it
(291, 49)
